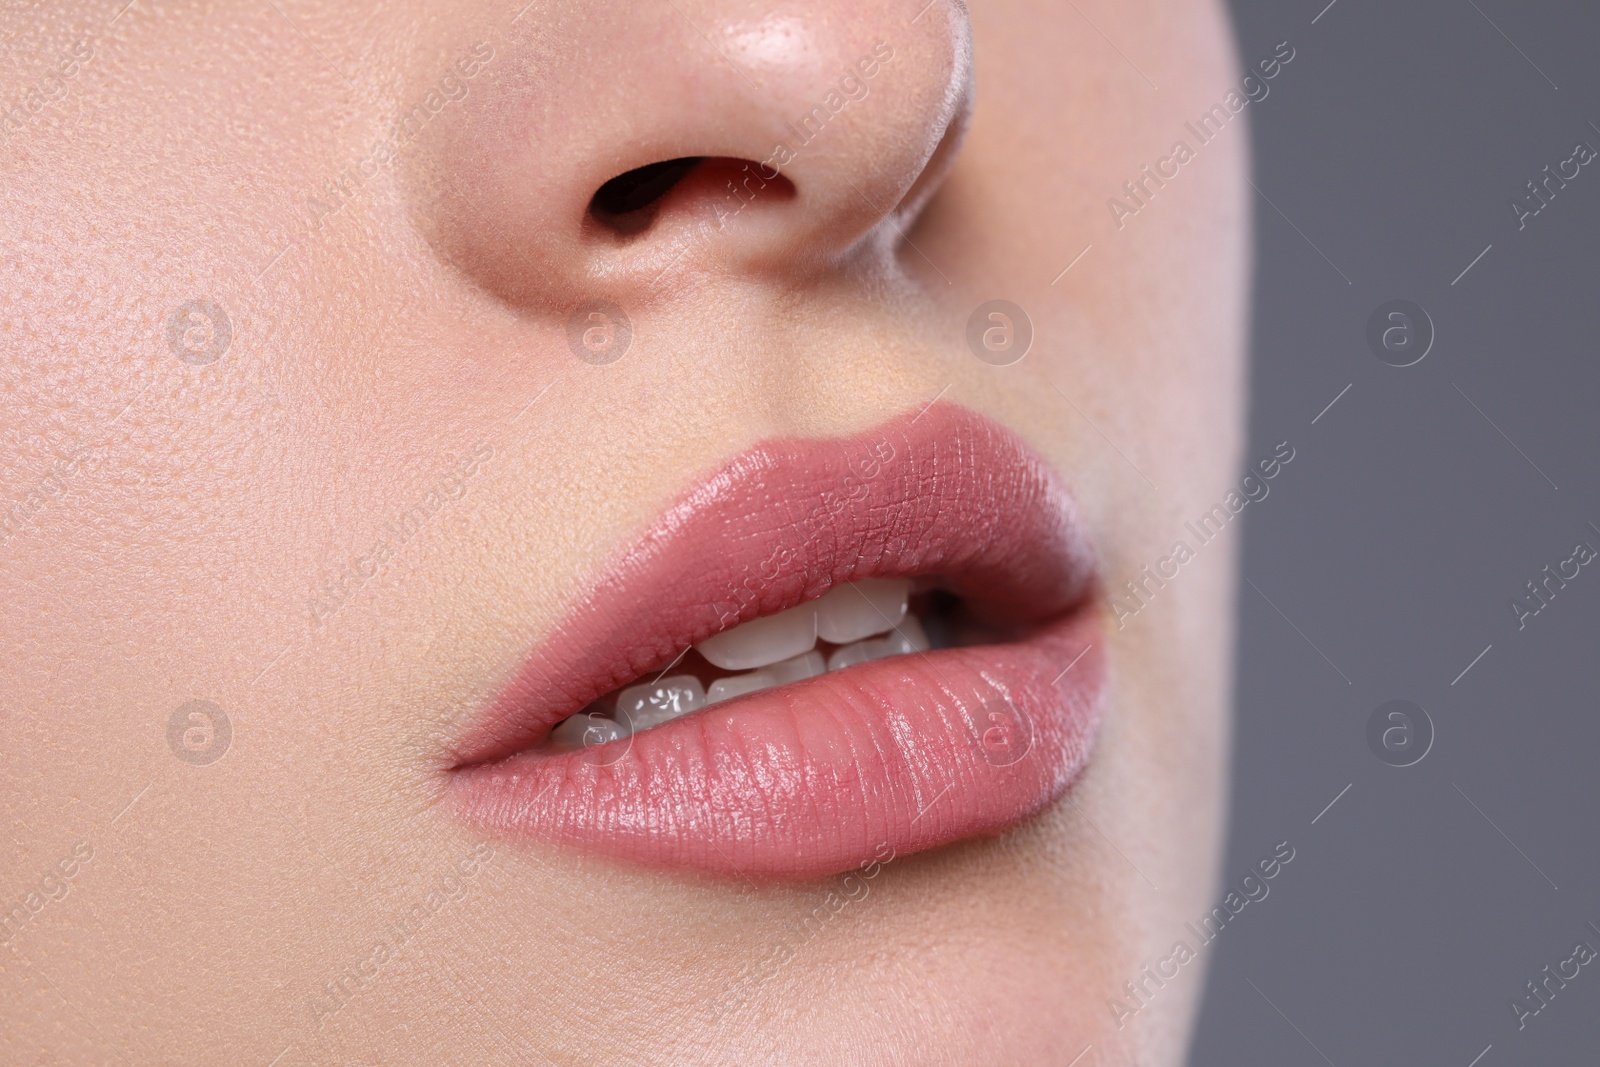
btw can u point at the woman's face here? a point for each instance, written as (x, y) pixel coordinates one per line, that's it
(358, 429)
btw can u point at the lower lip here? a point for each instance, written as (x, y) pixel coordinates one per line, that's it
(889, 757)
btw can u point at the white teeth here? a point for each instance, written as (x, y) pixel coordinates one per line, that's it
(808, 665)
(861, 609)
(850, 655)
(585, 729)
(909, 637)
(867, 619)
(763, 641)
(844, 614)
(801, 667)
(915, 637)
(640, 707)
(739, 685)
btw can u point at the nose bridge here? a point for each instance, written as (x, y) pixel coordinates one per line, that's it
(620, 145)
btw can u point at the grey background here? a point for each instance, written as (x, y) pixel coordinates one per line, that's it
(1409, 918)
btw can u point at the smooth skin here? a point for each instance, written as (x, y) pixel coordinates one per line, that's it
(188, 519)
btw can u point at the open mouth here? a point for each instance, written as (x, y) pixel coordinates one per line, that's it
(851, 624)
(825, 648)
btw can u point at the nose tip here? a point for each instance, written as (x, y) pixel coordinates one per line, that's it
(621, 146)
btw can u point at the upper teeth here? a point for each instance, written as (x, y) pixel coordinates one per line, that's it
(640, 707)
(844, 614)
(780, 647)
(907, 637)
(806, 665)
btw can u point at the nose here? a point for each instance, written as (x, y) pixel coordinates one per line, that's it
(626, 145)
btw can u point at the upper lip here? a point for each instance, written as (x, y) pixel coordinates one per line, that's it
(793, 782)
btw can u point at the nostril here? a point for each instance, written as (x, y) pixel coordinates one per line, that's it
(629, 204)
(623, 203)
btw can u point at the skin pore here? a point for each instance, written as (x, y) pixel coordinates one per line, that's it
(294, 425)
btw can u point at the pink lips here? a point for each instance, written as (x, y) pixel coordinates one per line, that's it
(818, 776)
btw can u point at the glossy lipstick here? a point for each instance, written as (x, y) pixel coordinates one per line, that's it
(815, 777)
